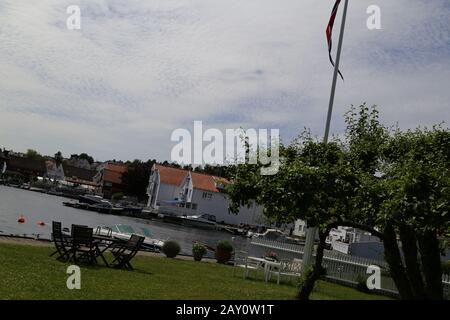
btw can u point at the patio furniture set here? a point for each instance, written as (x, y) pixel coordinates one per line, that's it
(270, 267)
(82, 244)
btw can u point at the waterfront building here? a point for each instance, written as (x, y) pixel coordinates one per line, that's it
(109, 178)
(199, 193)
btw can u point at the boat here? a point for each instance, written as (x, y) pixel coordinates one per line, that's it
(104, 207)
(203, 221)
(275, 235)
(124, 232)
(90, 199)
(71, 204)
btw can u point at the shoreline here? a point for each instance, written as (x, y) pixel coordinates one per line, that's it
(29, 241)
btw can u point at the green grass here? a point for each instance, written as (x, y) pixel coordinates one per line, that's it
(27, 272)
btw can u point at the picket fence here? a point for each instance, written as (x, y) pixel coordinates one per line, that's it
(345, 269)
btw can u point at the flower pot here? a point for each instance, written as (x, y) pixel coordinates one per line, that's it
(223, 256)
(198, 257)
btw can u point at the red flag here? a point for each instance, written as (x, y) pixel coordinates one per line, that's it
(329, 32)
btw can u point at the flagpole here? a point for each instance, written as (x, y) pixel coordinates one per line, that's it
(311, 232)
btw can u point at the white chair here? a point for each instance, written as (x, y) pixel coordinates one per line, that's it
(289, 268)
(241, 260)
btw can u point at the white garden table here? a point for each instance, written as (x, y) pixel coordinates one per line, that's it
(268, 265)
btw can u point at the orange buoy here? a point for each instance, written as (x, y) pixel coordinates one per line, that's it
(41, 223)
(21, 219)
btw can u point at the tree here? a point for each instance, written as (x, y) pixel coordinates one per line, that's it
(315, 183)
(386, 183)
(58, 158)
(33, 154)
(135, 179)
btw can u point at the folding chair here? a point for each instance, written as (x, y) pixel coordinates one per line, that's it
(123, 253)
(61, 241)
(83, 243)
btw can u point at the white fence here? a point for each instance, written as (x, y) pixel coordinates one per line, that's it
(340, 267)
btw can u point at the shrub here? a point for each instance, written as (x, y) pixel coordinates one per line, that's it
(224, 245)
(446, 267)
(361, 285)
(117, 196)
(171, 248)
(198, 251)
(223, 251)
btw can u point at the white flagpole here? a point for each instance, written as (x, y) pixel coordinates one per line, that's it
(311, 232)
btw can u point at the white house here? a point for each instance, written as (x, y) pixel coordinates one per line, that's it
(198, 192)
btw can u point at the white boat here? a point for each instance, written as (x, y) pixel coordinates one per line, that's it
(203, 221)
(275, 235)
(124, 232)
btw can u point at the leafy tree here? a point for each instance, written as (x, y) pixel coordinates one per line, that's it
(135, 179)
(33, 154)
(58, 158)
(386, 183)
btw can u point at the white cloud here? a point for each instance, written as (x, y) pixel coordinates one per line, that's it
(137, 70)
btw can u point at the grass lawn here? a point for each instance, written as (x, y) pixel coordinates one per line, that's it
(27, 272)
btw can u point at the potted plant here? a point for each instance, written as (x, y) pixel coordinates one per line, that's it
(171, 248)
(198, 251)
(223, 251)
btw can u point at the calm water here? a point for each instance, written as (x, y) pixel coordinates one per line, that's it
(36, 206)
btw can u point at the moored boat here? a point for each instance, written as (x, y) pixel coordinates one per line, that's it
(202, 221)
(124, 232)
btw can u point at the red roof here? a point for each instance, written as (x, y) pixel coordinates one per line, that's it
(116, 167)
(175, 176)
(112, 176)
(207, 182)
(113, 172)
(170, 175)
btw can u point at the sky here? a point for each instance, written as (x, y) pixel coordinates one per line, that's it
(137, 70)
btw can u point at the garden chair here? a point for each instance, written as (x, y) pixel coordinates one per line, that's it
(61, 241)
(124, 252)
(289, 268)
(241, 261)
(84, 244)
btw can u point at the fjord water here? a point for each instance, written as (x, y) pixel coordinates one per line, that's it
(35, 206)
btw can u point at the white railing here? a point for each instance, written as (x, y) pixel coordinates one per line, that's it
(343, 268)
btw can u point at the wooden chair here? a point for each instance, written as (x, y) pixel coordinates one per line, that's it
(84, 245)
(61, 241)
(124, 252)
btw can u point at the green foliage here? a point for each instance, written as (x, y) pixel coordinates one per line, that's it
(171, 248)
(306, 273)
(117, 196)
(446, 267)
(198, 251)
(84, 156)
(374, 179)
(224, 245)
(361, 283)
(135, 180)
(33, 154)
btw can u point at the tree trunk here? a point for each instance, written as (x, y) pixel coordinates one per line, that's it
(393, 258)
(431, 264)
(308, 285)
(409, 248)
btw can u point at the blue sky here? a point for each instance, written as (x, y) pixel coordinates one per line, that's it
(137, 70)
